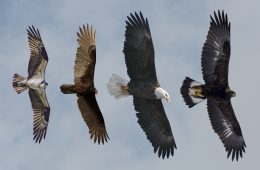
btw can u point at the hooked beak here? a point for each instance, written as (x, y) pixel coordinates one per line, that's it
(45, 84)
(231, 93)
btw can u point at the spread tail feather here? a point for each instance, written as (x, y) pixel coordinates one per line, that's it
(117, 87)
(67, 89)
(191, 91)
(19, 83)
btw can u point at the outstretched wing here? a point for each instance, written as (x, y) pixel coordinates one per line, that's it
(41, 113)
(225, 124)
(138, 50)
(216, 51)
(38, 54)
(92, 115)
(86, 55)
(154, 122)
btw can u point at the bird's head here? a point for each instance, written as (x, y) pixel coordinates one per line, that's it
(43, 84)
(230, 93)
(161, 93)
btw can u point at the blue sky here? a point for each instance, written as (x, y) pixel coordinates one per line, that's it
(179, 29)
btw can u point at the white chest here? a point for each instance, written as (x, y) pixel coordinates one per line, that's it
(34, 82)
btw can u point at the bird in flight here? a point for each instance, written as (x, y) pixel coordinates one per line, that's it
(36, 84)
(84, 69)
(144, 86)
(215, 63)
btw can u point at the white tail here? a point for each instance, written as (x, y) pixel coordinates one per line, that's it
(19, 83)
(117, 87)
(191, 91)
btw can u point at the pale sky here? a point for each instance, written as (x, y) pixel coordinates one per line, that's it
(179, 29)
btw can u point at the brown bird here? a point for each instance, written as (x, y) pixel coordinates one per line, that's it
(84, 84)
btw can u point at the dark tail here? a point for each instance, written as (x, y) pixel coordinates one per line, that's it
(67, 89)
(19, 83)
(191, 91)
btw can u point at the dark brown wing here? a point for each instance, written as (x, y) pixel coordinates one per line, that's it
(86, 55)
(225, 124)
(38, 54)
(216, 51)
(154, 122)
(138, 50)
(41, 113)
(92, 115)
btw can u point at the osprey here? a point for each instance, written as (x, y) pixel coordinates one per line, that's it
(144, 86)
(84, 84)
(214, 62)
(36, 84)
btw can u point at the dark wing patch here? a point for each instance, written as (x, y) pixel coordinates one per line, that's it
(86, 55)
(41, 110)
(139, 50)
(154, 122)
(216, 51)
(225, 124)
(92, 115)
(38, 54)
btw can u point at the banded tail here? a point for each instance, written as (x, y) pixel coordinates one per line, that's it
(117, 87)
(19, 83)
(191, 91)
(67, 89)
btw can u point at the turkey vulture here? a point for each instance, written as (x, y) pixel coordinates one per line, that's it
(84, 84)
(214, 62)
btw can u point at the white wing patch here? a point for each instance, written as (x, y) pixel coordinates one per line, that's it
(228, 131)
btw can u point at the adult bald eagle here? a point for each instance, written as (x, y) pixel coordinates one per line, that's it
(144, 86)
(215, 61)
(36, 84)
(84, 84)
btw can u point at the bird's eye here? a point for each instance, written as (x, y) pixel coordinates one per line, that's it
(166, 95)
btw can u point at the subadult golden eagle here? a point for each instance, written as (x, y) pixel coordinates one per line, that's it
(36, 84)
(215, 63)
(84, 84)
(144, 86)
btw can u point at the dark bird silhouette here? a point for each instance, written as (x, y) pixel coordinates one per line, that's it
(36, 84)
(144, 86)
(84, 84)
(215, 64)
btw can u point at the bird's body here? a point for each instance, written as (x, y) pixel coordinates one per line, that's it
(36, 84)
(84, 84)
(144, 86)
(79, 88)
(215, 64)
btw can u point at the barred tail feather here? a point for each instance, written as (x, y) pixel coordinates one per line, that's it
(67, 89)
(19, 83)
(117, 87)
(191, 91)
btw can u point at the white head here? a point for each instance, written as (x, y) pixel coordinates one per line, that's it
(43, 84)
(161, 93)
